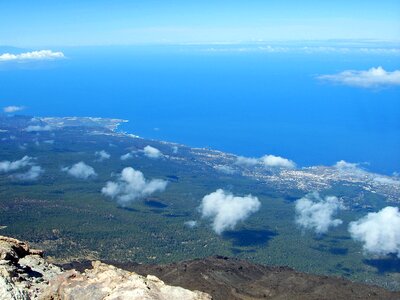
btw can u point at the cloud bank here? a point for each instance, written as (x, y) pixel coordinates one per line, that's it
(152, 152)
(34, 55)
(226, 210)
(13, 109)
(102, 155)
(379, 232)
(372, 78)
(132, 185)
(80, 170)
(8, 166)
(315, 213)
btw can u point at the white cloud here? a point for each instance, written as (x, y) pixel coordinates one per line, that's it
(13, 109)
(80, 170)
(277, 161)
(32, 174)
(8, 166)
(152, 152)
(175, 149)
(102, 155)
(34, 55)
(36, 128)
(372, 78)
(226, 210)
(315, 213)
(132, 185)
(126, 156)
(191, 223)
(353, 170)
(386, 180)
(246, 161)
(269, 161)
(225, 169)
(344, 165)
(379, 232)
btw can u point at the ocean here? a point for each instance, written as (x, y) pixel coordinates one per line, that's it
(249, 103)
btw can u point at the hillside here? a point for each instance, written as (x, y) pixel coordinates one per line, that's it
(46, 201)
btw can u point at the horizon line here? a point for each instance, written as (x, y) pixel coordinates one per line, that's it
(332, 42)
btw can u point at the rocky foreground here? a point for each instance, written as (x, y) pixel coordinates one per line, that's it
(24, 274)
(234, 279)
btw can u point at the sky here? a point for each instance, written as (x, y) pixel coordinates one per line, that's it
(27, 23)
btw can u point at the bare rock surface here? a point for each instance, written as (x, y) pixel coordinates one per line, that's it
(235, 279)
(24, 274)
(108, 282)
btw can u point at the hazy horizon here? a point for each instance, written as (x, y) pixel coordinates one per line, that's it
(43, 23)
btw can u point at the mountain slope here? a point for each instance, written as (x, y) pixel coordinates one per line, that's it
(229, 278)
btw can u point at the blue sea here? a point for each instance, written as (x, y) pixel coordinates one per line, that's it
(249, 103)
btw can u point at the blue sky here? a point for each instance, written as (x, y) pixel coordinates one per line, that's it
(105, 22)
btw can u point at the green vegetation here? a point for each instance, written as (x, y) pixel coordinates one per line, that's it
(71, 219)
